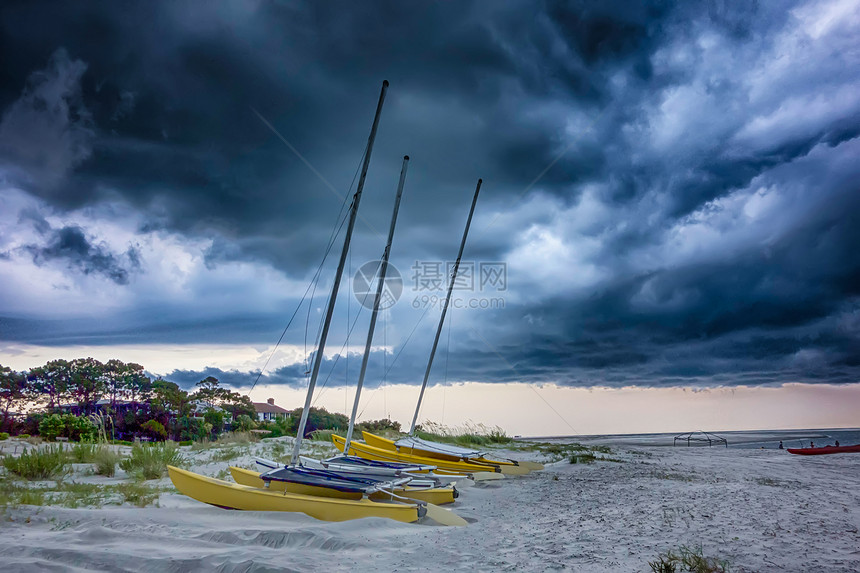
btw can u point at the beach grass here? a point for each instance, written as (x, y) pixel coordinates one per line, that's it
(687, 559)
(222, 474)
(50, 462)
(100, 455)
(27, 496)
(74, 495)
(575, 452)
(236, 438)
(467, 435)
(13, 494)
(225, 439)
(105, 461)
(200, 445)
(151, 461)
(82, 453)
(227, 454)
(137, 493)
(277, 450)
(589, 458)
(324, 435)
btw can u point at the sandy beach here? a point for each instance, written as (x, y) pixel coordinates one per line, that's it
(759, 510)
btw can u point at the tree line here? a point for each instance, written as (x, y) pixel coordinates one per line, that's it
(135, 404)
(58, 398)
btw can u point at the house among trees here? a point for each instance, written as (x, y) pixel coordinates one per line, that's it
(102, 406)
(200, 407)
(269, 411)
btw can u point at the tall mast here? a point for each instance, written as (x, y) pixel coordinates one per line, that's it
(445, 309)
(383, 269)
(333, 298)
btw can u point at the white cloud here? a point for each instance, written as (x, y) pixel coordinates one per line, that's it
(173, 271)
(563, 253)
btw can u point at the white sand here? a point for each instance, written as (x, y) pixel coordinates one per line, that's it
(761, 510)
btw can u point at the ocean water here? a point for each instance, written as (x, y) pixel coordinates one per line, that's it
(745, 439)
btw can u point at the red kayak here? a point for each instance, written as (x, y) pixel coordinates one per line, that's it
(825, 450)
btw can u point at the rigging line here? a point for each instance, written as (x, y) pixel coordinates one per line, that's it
(334, 234)
(447, 354)
(509, 365)
(414, 328)
(346, 365)
(385, 374)
(298, 307)
(307, 325)
(312, 168)
(331, 241)
(336, 228)
(354, 177)
(337, 356)
(322, 317)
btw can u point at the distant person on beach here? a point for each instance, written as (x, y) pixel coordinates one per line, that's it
(837, 443)
(780, 445)
(811, 444)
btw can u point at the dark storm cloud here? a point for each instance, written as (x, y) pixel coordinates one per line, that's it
(48, 130)
(335, 371)
(71, 246)
(230, 378)
(678, 120)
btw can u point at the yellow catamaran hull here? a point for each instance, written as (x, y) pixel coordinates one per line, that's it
(506, 465)
(436, 495)
(370, 453)
(234, 496)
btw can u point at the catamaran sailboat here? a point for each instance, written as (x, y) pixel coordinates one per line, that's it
(411, 448)
(321, 493)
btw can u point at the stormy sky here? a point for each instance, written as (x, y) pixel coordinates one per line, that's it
(671, 188)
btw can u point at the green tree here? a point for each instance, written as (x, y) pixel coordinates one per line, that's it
(114, 374)
(49, 384)
(126, 381)
(137, 387)
(188, 428)
(87, 384)
(169, 402)
(12, 393)
(169, 397)
(238, 405)
(379, 425)
(79, 428)
(154, 429)
(216, 418)
(319, 419)
(210, 392)
(243, 423)
(52, 426)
